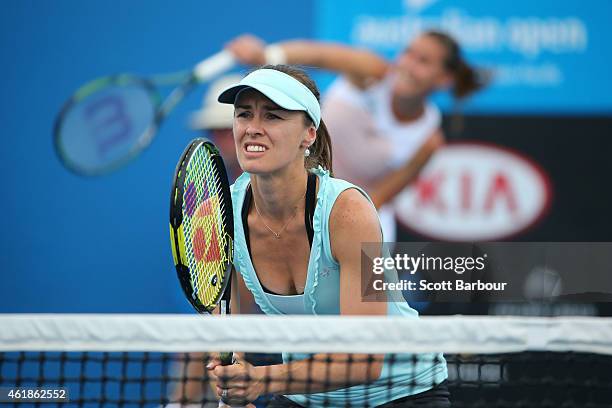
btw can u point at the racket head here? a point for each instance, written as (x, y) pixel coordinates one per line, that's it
(201, 225)
(106, 123)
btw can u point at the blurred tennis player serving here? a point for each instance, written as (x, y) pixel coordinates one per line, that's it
(378, 112)
(298, 235)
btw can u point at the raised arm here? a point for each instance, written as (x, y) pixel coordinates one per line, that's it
(360, 66)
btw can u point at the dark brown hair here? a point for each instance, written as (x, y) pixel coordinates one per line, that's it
(321, 149)
(467, 78)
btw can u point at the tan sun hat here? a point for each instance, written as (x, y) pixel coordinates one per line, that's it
(213, 114)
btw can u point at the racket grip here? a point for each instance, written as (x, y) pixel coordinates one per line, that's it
(226, 358)
(214, 65)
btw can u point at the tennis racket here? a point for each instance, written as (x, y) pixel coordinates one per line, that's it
(202, 229)
(109, 121)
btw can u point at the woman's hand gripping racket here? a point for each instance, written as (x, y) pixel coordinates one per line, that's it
(109, 121)
(202, 229)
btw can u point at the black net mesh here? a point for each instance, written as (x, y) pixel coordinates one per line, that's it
(157, 361)
(126, 379)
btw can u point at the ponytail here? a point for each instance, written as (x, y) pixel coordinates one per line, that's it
(321, 150)
(467, 79)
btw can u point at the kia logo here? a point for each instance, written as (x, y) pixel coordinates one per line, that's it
(474, 192)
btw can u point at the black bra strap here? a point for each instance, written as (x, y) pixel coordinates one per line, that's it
(311, 201)
(248, 196)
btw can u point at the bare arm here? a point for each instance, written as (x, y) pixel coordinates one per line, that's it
(353, 221)
(360, 66)
(392, 183)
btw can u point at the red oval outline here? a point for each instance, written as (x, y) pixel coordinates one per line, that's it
(539, 170)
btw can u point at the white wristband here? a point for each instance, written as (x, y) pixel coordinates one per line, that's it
(275, 55)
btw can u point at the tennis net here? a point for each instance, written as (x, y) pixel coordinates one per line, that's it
(159, 360)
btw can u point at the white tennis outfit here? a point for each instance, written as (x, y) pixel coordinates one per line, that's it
(368, 140)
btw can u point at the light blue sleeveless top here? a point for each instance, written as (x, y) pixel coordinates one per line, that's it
(322, 296)
(287, 304)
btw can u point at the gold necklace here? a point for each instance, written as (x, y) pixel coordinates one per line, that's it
(277, 235)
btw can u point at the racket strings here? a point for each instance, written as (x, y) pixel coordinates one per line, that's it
(218, 243)
(204, 215)
(106, 123)
(200, 273)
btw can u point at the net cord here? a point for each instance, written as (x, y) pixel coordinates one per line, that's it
(309, 334)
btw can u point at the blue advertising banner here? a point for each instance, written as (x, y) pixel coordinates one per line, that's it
(545, 56)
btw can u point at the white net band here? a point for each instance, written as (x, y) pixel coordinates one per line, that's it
(311, 334)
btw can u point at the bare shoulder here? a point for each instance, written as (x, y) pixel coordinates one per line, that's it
(352, 207)
(353, 220)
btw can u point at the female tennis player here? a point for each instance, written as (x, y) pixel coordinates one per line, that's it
(298, 235)
(378, 111)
